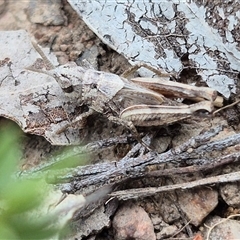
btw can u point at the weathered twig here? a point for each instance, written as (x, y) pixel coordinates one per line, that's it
(230, 158)
(181, 152)
(132, 166)
(145, 192)
(128, 167)
(112, 172)
(225, 107)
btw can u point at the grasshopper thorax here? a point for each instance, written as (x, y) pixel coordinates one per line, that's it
(104, 83)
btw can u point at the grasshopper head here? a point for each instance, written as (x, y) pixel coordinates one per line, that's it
(69, 79)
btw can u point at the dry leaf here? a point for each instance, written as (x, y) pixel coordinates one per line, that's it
(34, 100)
(172, 35)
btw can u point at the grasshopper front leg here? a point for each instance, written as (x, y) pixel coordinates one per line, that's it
(129, 124)
(81, 118)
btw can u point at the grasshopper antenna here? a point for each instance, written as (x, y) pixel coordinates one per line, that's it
(65, 85)
(46, 61)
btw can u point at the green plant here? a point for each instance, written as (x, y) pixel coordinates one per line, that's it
(20, 198)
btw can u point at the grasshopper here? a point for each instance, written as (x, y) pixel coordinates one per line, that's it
(136, 102)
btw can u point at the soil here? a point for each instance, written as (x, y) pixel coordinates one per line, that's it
(71, 40)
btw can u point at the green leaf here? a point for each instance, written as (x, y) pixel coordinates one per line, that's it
(21, 198)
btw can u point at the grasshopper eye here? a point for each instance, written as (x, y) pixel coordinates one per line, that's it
(94, 85)
(68, 89)
(67, 86)
(64, 82)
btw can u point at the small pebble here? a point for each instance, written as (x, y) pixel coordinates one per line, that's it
(133, 222)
